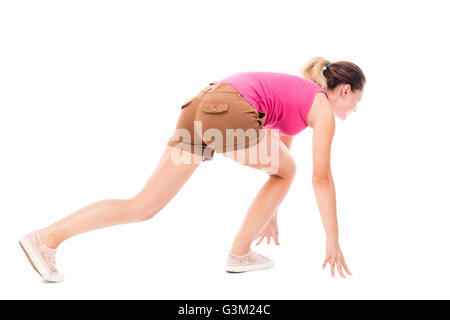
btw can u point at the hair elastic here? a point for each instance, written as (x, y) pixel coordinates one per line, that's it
(329, 64)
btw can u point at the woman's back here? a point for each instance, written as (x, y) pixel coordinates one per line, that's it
(285, 99)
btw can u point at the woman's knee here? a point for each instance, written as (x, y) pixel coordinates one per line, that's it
(286, 168)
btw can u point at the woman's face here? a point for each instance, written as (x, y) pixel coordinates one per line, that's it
(344, 100)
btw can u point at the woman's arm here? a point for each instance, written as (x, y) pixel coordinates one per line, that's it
(322, 179)
(324, 186)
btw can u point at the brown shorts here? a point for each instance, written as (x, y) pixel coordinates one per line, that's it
(217, 119)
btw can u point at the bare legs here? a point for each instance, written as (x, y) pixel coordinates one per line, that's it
(165, 182)
(272, 193)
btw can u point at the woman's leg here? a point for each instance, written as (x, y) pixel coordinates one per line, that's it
(167, 179)
(280, 166)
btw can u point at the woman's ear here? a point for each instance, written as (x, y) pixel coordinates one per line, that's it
(345, 89)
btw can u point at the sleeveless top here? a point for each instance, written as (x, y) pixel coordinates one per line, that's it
(285, 99)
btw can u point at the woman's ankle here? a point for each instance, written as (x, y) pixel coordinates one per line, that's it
(48, 239)
(240, 251)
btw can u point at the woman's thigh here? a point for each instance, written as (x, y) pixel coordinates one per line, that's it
(270, 155)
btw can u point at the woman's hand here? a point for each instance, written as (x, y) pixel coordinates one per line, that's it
(271, 230)
(335, 256)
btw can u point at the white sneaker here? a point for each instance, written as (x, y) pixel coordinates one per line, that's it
(42, 258)
(251, 261)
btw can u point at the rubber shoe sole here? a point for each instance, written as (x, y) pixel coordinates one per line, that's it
(250, 267)
(37, 263)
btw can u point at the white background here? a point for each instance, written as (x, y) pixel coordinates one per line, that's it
(90, 91)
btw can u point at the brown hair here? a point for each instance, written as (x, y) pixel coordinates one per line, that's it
(339, 72)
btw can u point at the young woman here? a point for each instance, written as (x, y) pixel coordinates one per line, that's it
(238, 117)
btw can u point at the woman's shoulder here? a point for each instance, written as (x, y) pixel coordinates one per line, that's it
(320, 108)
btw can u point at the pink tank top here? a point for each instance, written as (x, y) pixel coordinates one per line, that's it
(285, 99)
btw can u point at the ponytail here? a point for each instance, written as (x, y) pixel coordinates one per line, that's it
(329, 75)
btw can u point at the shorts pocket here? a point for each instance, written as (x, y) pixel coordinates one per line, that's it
(218, 107)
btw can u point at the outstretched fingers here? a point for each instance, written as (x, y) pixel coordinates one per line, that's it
(331, 261)
(339, 269)
(345, 267)
(340, 265)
